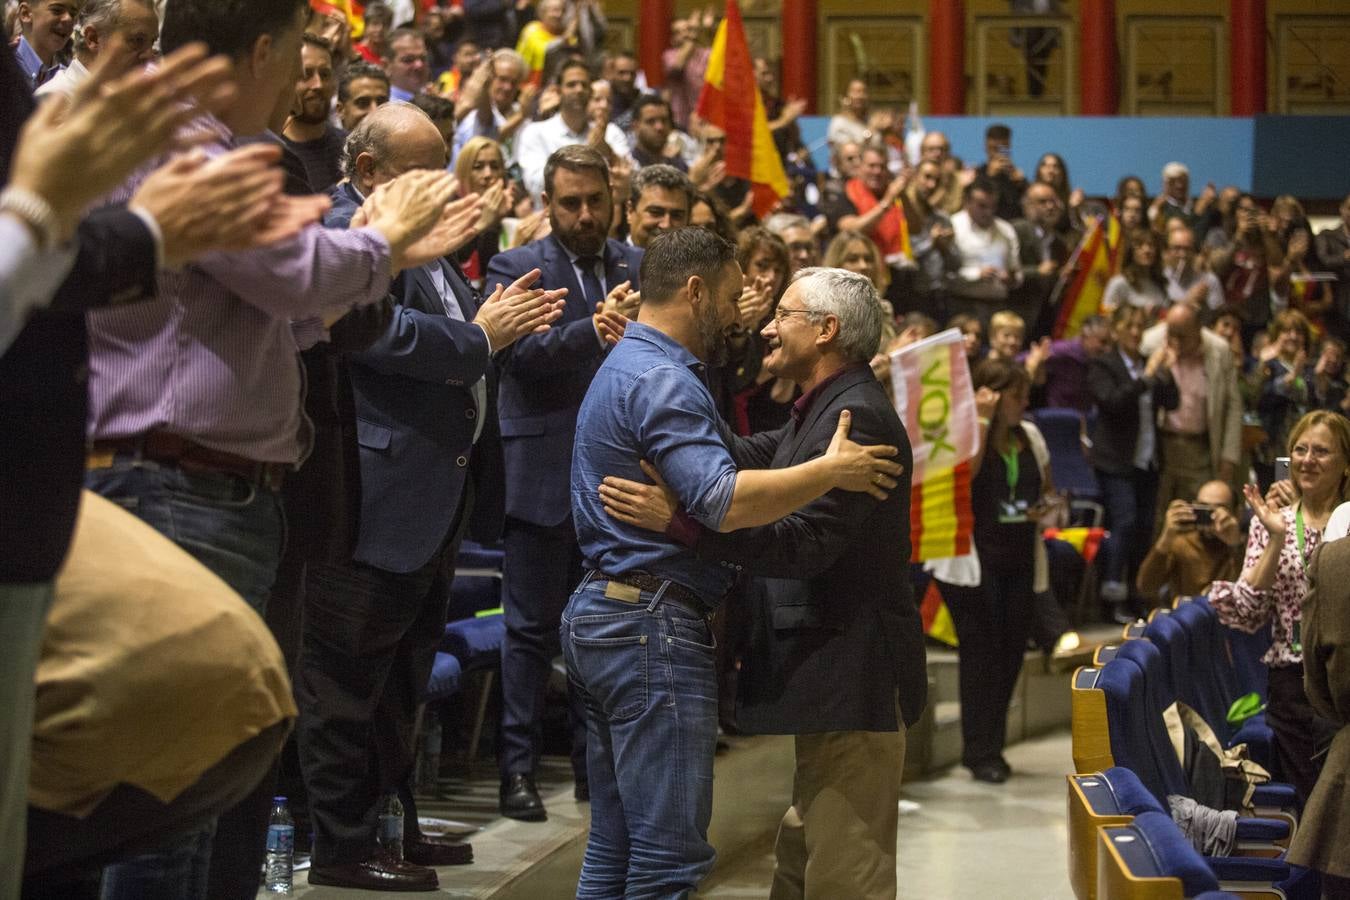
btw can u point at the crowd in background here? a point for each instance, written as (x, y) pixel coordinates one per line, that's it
(1223, 324)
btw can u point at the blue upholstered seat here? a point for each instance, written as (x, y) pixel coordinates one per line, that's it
(445, 678)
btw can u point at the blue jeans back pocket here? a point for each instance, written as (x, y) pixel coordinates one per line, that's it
(611, 657)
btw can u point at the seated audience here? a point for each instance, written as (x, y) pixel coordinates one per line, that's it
(1200, 543)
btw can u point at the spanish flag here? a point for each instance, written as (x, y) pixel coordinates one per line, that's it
(1090, 268)
(352, 10)
(930, 380)
(731, 101)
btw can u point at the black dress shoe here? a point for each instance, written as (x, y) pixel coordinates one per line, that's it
(520, 799)
(581, 792)
(437, 851)
(379, 873)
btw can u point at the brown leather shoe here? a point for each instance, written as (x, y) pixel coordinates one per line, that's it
(437, 851)
(379, 873)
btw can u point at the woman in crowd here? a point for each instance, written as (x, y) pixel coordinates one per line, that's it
(993, 612)
(1274, 581)
(855, 251)
(708, 211)
(1052, 170)
(1279, 387)
(480, 170)
(1140, 281)
(972, 332)
(1127, 391)
(758, 401)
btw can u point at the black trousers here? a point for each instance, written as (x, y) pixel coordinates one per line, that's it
(63, 851)
(541, 569)
(993, 622)
(370, 638)
(1299, 731)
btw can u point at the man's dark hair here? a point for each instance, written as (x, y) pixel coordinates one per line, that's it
(317, 40)
(998, 132)
(662, 176)
(574, 62)
(647, 100)
(982, 184)
(230, 27)
(1095, 323)
(674, 257)
(356, 71)
(575, 158)
(626, 54)
(436, 108)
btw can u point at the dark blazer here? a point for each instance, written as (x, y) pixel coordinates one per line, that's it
(1117, 397)
(415, 416)
(1029, 254)
(544, 378)
(835, 629)
(43, 375)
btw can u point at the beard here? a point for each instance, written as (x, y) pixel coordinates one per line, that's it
(583, 241)
(311, 111)
(713, 337)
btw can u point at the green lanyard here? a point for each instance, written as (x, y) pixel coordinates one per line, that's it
(1013, 466)
(1297, 643)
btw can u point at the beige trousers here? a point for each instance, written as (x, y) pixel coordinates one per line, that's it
(838, 838)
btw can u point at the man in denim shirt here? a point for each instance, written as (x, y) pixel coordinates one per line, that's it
(635, 634)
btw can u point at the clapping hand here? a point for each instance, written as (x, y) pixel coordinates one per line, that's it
(1268, 515)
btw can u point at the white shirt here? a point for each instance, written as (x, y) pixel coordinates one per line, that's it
(64, 82)
(453, 311)
(28, 276)
(539, 140)
(979, 247)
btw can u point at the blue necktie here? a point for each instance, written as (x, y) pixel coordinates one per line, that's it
(590, 284)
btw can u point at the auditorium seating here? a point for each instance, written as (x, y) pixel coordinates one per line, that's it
(1063, 432)
(1121, 744)
(1149, 859)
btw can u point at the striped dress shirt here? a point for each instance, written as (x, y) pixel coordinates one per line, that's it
(212, 357)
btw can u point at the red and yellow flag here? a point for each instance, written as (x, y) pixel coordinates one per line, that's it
(937, 619)
(731, 101)
(1093, 263)
(932, 391)
(351, 10)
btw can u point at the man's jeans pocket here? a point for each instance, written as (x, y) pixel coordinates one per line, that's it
(610, 653)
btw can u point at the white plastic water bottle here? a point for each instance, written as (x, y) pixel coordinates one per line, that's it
(280, 849)
(390, 834)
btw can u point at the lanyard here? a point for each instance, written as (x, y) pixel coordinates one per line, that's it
(1298, 535)
(1013, 466)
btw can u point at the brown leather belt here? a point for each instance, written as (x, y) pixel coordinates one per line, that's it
(650, 583)
(176, 450)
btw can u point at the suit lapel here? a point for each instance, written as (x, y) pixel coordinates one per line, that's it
(823, 403)
(617, 270)
(424, 296)
(459, 287)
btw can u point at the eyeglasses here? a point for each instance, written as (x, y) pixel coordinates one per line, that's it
(783, 312)
(1318, 453)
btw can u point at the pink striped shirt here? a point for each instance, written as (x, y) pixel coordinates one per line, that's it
(212, 357)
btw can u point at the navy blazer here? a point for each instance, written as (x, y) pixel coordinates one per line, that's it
(835, 631)
(415, 416)
(544, 378)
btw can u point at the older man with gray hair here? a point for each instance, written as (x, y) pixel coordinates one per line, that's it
(124, 30)
(1175, 202)
(836, 653)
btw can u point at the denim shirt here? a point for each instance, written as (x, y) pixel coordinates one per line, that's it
(649, 401)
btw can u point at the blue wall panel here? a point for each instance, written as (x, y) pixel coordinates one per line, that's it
(1301, 155)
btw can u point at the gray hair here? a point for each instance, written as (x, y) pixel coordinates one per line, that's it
(1175, 170)
(850, 298)
(372, 134)
(662, 176)
(507, 55)
(781, 222)
(102, 15)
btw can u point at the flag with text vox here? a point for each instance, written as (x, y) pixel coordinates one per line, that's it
(932, 391)
(731, 101)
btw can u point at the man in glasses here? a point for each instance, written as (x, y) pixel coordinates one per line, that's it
(407, 64)
(1182, 273)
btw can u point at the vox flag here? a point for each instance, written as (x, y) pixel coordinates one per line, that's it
(731, 101)
(931, 386)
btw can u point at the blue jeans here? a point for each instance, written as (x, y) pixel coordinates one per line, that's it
(234, 529)
(646, 675)
(1129, 501)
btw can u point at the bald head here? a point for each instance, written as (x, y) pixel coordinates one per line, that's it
(1216, 493)
(934, 147)
(395, 138)
(1040, 204)
(1183, 329)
